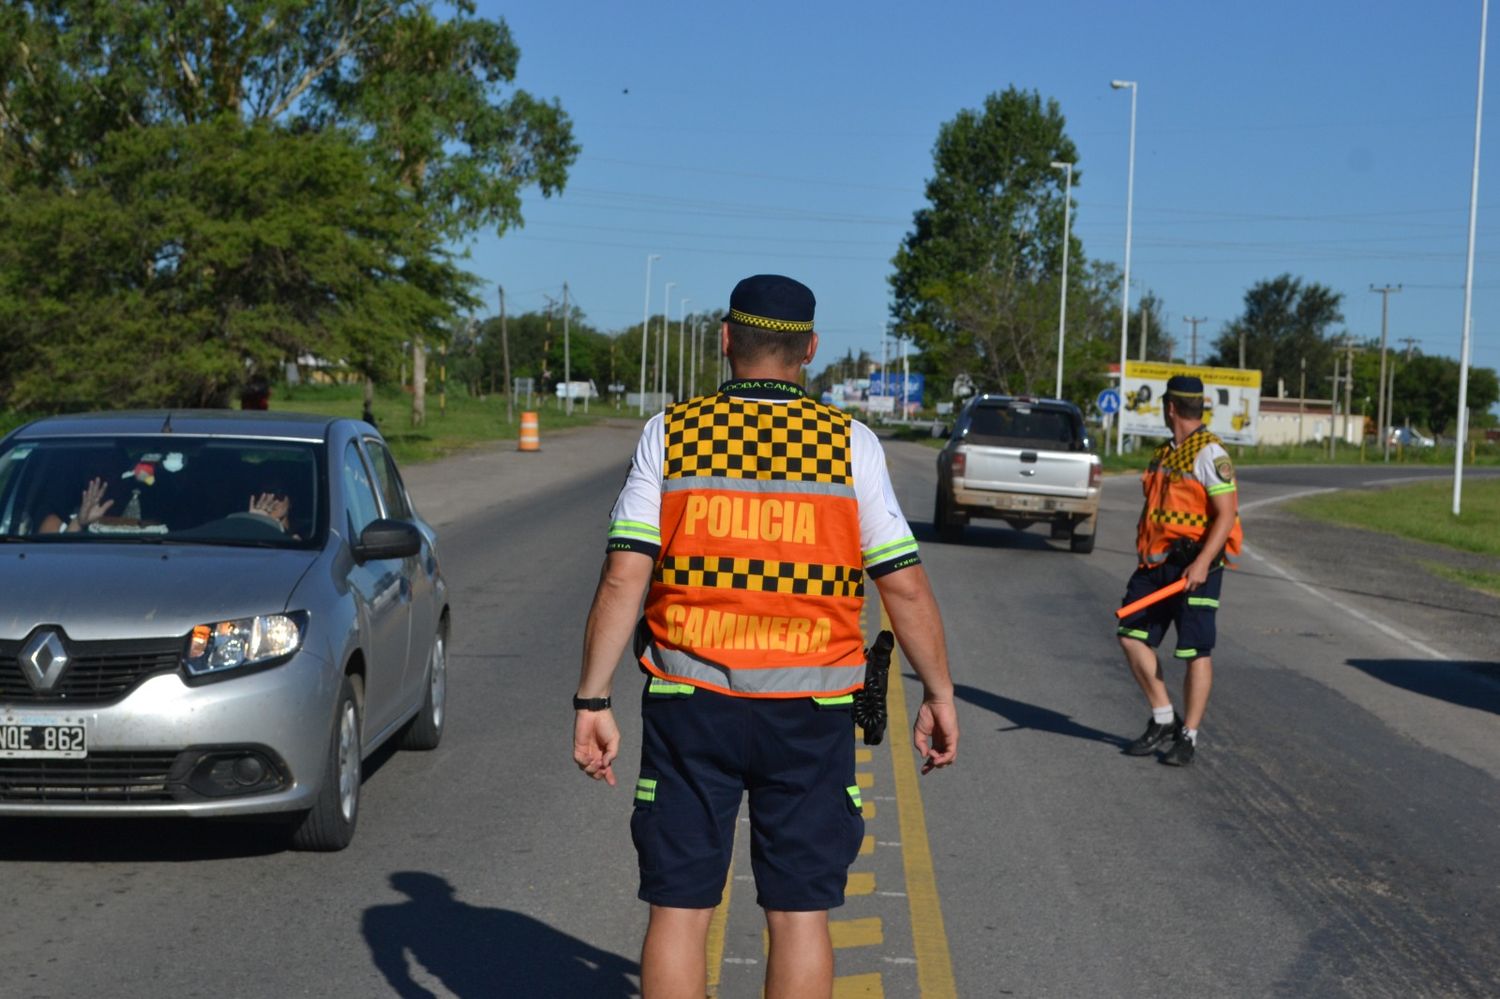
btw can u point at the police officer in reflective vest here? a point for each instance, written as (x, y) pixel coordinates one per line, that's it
(1189, 527)
(750, 521)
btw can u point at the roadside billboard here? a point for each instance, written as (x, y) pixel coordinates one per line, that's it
(1231, 409)
(890, 384)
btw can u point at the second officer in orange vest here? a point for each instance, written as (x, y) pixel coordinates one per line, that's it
(750, 521)
(1189, 527)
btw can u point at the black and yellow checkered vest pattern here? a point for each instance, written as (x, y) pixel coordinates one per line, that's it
(760, 581)
(799, 441)
(1177, 504)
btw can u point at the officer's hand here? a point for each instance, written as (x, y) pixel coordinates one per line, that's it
(596, 743)
(935, 734)
(1196, 575)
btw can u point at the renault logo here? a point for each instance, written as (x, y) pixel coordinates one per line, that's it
(43, 660)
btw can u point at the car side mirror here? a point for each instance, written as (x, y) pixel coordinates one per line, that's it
(383, 539)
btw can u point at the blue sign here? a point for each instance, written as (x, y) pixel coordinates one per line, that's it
(1108, 402)
(891, 384)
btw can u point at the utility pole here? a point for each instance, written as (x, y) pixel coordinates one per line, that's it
(1410, 342)
(1333, 405)
(1242, 348)
(1349, 385)
(1143, 328)
(1385, 302)
(1195, 320)
(510, 386)
(567, 354)
(1302, 403)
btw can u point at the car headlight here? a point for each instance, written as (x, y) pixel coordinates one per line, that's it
(245, 641)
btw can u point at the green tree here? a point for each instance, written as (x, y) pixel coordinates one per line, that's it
(1284, 322)
(1426, 392)
(186, 256)
(425, 101)
(976, 281)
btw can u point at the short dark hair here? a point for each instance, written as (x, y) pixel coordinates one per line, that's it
(750, 344)
(1190, 408)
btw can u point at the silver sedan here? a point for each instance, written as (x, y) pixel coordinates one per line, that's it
(211, 614)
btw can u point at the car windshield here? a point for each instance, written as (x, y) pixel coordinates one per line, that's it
(1022, 425)
(168, 488)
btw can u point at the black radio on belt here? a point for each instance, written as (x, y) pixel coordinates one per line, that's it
(869, 703)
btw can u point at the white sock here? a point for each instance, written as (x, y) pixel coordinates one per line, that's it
(1191, 734)
(1163, 716)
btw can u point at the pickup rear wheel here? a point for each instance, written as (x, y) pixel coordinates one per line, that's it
(1081, 543)
(949, 527)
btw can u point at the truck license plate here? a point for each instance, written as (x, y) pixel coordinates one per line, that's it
(26, 741)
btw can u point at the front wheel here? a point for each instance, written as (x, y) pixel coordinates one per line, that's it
(425, 731)
(329, 824)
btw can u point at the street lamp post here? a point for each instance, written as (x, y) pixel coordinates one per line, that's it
(1463, 353)
(661, 353)
(681, 343)
(1062, 310)
(645, 325)
(1125, 284)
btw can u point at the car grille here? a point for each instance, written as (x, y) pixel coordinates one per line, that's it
(102, 777)
(99, 672)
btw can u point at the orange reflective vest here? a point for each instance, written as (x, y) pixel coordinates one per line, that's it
(759, 584)
(1177, 504)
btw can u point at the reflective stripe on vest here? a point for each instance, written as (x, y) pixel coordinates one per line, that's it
(1177, 504)
(760, 581)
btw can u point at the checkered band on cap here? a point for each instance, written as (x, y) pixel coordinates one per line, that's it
(762, 322)
(797, 441)
(761, 575)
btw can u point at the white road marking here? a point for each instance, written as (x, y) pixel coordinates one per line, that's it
(1358, 615)
(1282, 499)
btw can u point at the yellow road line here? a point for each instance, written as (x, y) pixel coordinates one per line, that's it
(868, 932)
(717, 925)
(867, 986)
(929, 938)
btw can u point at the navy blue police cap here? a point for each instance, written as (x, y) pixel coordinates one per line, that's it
(772, 302)
(1185, 386)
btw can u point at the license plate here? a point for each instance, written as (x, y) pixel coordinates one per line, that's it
(27, 739)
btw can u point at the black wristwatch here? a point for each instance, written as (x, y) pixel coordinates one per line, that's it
(590, 704)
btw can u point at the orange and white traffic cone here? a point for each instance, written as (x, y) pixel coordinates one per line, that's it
(531, 436)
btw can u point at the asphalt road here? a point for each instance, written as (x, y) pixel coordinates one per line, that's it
(1337, 835)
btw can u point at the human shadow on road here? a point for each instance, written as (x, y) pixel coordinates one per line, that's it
(478, 953)
(1468, 684)
(1022, 715)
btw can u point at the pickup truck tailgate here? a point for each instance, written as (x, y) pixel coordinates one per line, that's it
(1026, 470)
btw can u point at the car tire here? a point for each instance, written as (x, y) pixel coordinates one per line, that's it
(329, 824)
(1081, 543)
(425, 731)
(949, 527)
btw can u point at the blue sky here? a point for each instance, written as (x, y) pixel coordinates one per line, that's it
(1330, 139)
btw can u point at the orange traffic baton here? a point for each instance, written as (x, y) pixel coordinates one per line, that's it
(531, 437)
(1156, 596)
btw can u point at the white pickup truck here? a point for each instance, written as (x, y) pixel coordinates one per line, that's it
(1020, 460)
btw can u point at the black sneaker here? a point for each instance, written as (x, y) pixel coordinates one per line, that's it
(1181, 753)
(1155, 734)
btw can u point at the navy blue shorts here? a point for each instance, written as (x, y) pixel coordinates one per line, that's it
(700, 751)
(1191, 613)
